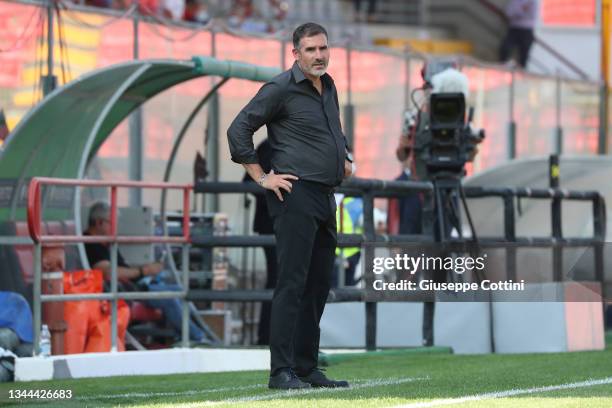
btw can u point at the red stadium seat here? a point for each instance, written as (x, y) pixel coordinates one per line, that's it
(142, 313)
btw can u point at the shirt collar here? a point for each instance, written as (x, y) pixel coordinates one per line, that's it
(299, 76)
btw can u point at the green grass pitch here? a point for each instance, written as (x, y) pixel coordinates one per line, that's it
(580, 379)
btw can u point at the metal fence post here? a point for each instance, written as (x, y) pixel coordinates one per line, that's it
(370, 307)
(184, 302)
(50, 80)
(511, 122)
(340, 259)
(135, 157)
(113, 260)
(211, 148)
(604, 117)
(604, 92)
(37, 293)
(408, 73)
(113, 254)
(510, 236)
(349, 109)
(555, 219)
(599, 232)
(558, 138)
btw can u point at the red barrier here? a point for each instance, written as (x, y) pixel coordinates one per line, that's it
(34, 211)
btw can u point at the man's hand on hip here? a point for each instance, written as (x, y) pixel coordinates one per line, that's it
(276, 182)
(348, 169)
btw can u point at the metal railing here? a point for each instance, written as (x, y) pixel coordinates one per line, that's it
(556, 241)
(34, 227)
(368, 190)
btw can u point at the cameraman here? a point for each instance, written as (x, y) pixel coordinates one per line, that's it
(406, 211)
(416, 152)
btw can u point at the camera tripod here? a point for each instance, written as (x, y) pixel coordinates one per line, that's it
(447, 190)
(441, 218)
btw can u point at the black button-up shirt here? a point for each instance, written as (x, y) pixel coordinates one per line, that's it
(303, 128)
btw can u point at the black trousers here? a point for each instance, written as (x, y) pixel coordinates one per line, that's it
(305, 230)
(519, 38)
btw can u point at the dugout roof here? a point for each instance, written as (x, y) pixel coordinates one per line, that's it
(61, 134)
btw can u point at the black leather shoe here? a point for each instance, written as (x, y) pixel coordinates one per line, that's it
(316, 378)
(286, 380)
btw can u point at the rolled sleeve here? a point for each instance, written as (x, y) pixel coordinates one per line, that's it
(263, 108)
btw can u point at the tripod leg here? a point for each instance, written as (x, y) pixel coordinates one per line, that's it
(454, 214)
(439, 204)
(428, 323)
(467, 214)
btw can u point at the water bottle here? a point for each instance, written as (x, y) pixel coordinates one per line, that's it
(45, 341)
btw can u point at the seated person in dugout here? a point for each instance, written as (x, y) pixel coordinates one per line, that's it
(134, 278)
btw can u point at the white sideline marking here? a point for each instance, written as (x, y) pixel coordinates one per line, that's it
(172, 394)
(356, 384)
(508, 393)
(293, 393)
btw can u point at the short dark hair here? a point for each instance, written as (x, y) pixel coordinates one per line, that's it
(100, 210)
(307, 30)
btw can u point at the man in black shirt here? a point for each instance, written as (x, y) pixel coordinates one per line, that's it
(309, 158)
(130, 277)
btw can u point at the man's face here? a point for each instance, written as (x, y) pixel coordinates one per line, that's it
(313, 55)
(103, 226)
